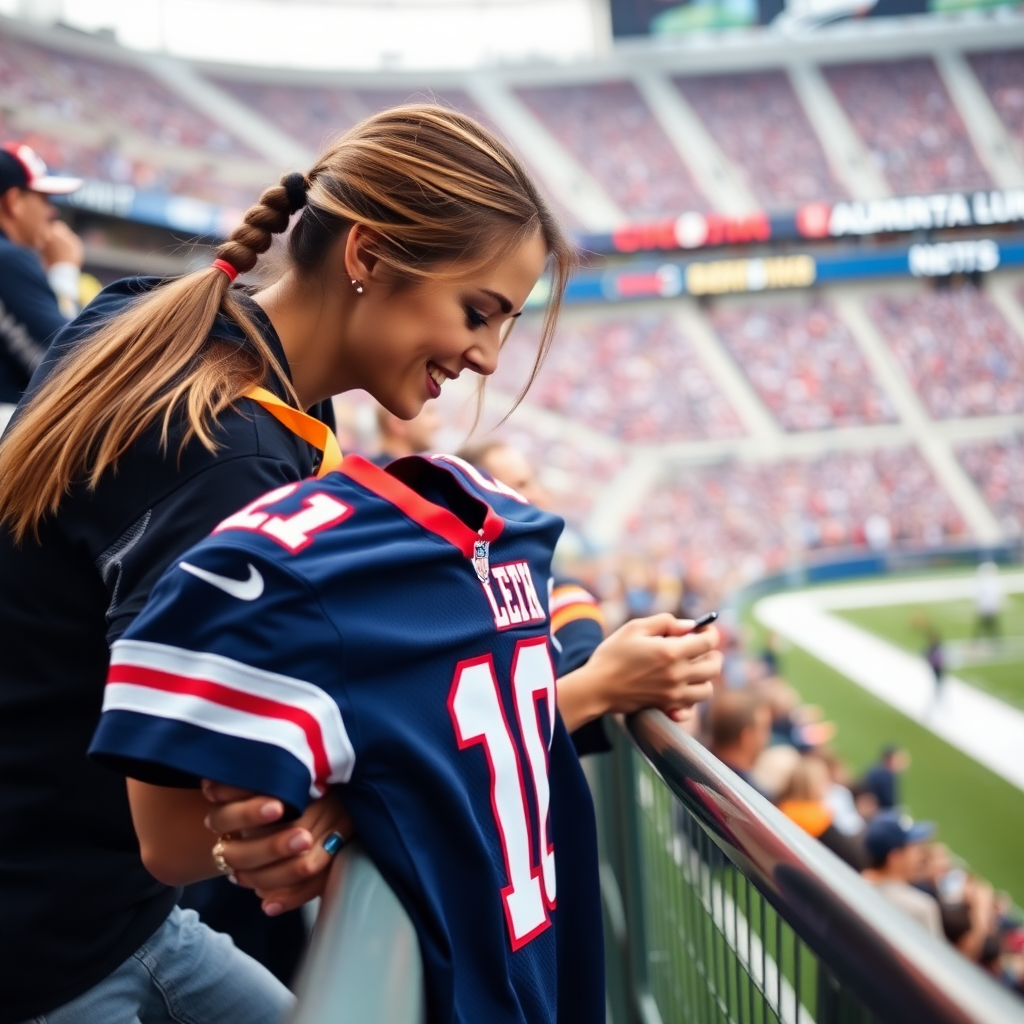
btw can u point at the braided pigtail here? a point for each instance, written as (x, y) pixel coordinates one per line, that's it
(148, 364)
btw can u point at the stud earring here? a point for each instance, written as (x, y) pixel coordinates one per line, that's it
(358, 286)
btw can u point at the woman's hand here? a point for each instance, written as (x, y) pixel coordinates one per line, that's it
(656, 662)
(287, 865)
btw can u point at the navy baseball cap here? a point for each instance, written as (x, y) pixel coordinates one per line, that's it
(22, 167)
(890, 831)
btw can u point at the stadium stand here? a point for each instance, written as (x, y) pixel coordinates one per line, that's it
(636, 379)
(314, 114)
(1002, 77)
(738, 520)
(957, 349)
(610, 130)
(77, 87)
(997, 467)
(804, 364)
(905, 116)
(759, 123)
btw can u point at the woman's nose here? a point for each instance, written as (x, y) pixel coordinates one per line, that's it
(482, 358)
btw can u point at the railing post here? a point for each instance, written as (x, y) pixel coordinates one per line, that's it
(643, 1008)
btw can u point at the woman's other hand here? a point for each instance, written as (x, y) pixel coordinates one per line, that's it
(657, 661)
(287, 865)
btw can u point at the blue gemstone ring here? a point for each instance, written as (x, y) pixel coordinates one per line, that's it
(333, 843)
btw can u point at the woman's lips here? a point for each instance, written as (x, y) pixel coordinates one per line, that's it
(433, 387)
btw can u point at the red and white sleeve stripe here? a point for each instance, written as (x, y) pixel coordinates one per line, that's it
(227, 696)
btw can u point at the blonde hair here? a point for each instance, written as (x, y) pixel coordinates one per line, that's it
(439, 195)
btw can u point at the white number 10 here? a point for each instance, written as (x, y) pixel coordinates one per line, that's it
(475, 705)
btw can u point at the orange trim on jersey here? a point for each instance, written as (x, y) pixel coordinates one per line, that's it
(575, 612)
(309, 428)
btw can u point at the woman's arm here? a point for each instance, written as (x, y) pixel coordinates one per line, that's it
(283, 860)
(652, 662)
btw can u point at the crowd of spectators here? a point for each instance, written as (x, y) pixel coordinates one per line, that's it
(314, 114)
(804, 363)
(909, 124)
(757, 725)
(761, 127)
(997, 467)
(78, 88)
(637, 380)
(734, 521)
(957, 350)
(1002, 76)
(611, 131)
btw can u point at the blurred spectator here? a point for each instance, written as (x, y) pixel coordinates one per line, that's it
(957, 350)
(399, 437)
(632, 377)
(611, 132)
(804, 364)
(840, 797)
(967, 904)
(761, 126)
(895, 847)
(805, 802)
(739, 728)
(909, 124)
(882, 778)
(40, 263)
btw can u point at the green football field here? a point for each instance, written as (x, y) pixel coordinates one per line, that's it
(995, 667)
(980, 815)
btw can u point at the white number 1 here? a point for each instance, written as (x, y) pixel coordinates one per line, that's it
(478, 715)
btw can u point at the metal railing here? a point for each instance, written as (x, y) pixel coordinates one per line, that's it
(725, 911)
(364, 963)
(718, 910)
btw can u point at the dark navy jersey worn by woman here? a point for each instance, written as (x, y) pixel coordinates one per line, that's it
(76, 898)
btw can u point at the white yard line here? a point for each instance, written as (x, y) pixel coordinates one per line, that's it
(984, 728)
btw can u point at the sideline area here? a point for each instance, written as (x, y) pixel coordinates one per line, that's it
(983, 727)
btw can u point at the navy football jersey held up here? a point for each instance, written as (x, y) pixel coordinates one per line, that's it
(388, 632)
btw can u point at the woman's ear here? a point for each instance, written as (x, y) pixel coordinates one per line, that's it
(360, 260)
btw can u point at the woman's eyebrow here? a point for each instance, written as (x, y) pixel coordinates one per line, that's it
(503, 303)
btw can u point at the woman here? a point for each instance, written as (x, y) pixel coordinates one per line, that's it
(142, 431)
(135, 440)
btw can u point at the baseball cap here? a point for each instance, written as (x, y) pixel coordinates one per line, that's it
(22, 167)
(890, 831)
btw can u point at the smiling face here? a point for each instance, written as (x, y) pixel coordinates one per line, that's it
(402, 344)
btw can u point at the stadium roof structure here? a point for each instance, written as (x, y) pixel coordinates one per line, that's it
(340, 34)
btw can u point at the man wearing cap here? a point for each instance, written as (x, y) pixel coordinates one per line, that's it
(895, 850)
(34, 302)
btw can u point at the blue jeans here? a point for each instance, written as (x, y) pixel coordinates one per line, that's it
(185, 974)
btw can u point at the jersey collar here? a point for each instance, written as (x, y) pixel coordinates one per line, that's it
(431, 517)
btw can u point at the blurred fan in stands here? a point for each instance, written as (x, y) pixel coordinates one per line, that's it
(40, 260)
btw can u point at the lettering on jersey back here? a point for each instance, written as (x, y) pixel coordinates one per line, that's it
(293, 532)
(512, 595)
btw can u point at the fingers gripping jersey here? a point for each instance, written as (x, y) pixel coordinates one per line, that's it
(387, 631)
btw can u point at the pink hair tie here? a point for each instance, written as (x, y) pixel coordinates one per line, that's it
(231, 271)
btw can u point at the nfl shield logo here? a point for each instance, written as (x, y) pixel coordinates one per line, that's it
(481, 560)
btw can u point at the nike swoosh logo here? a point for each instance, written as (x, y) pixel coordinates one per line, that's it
(244, 590)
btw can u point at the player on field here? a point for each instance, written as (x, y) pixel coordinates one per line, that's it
(160, 411)
(387, 632)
